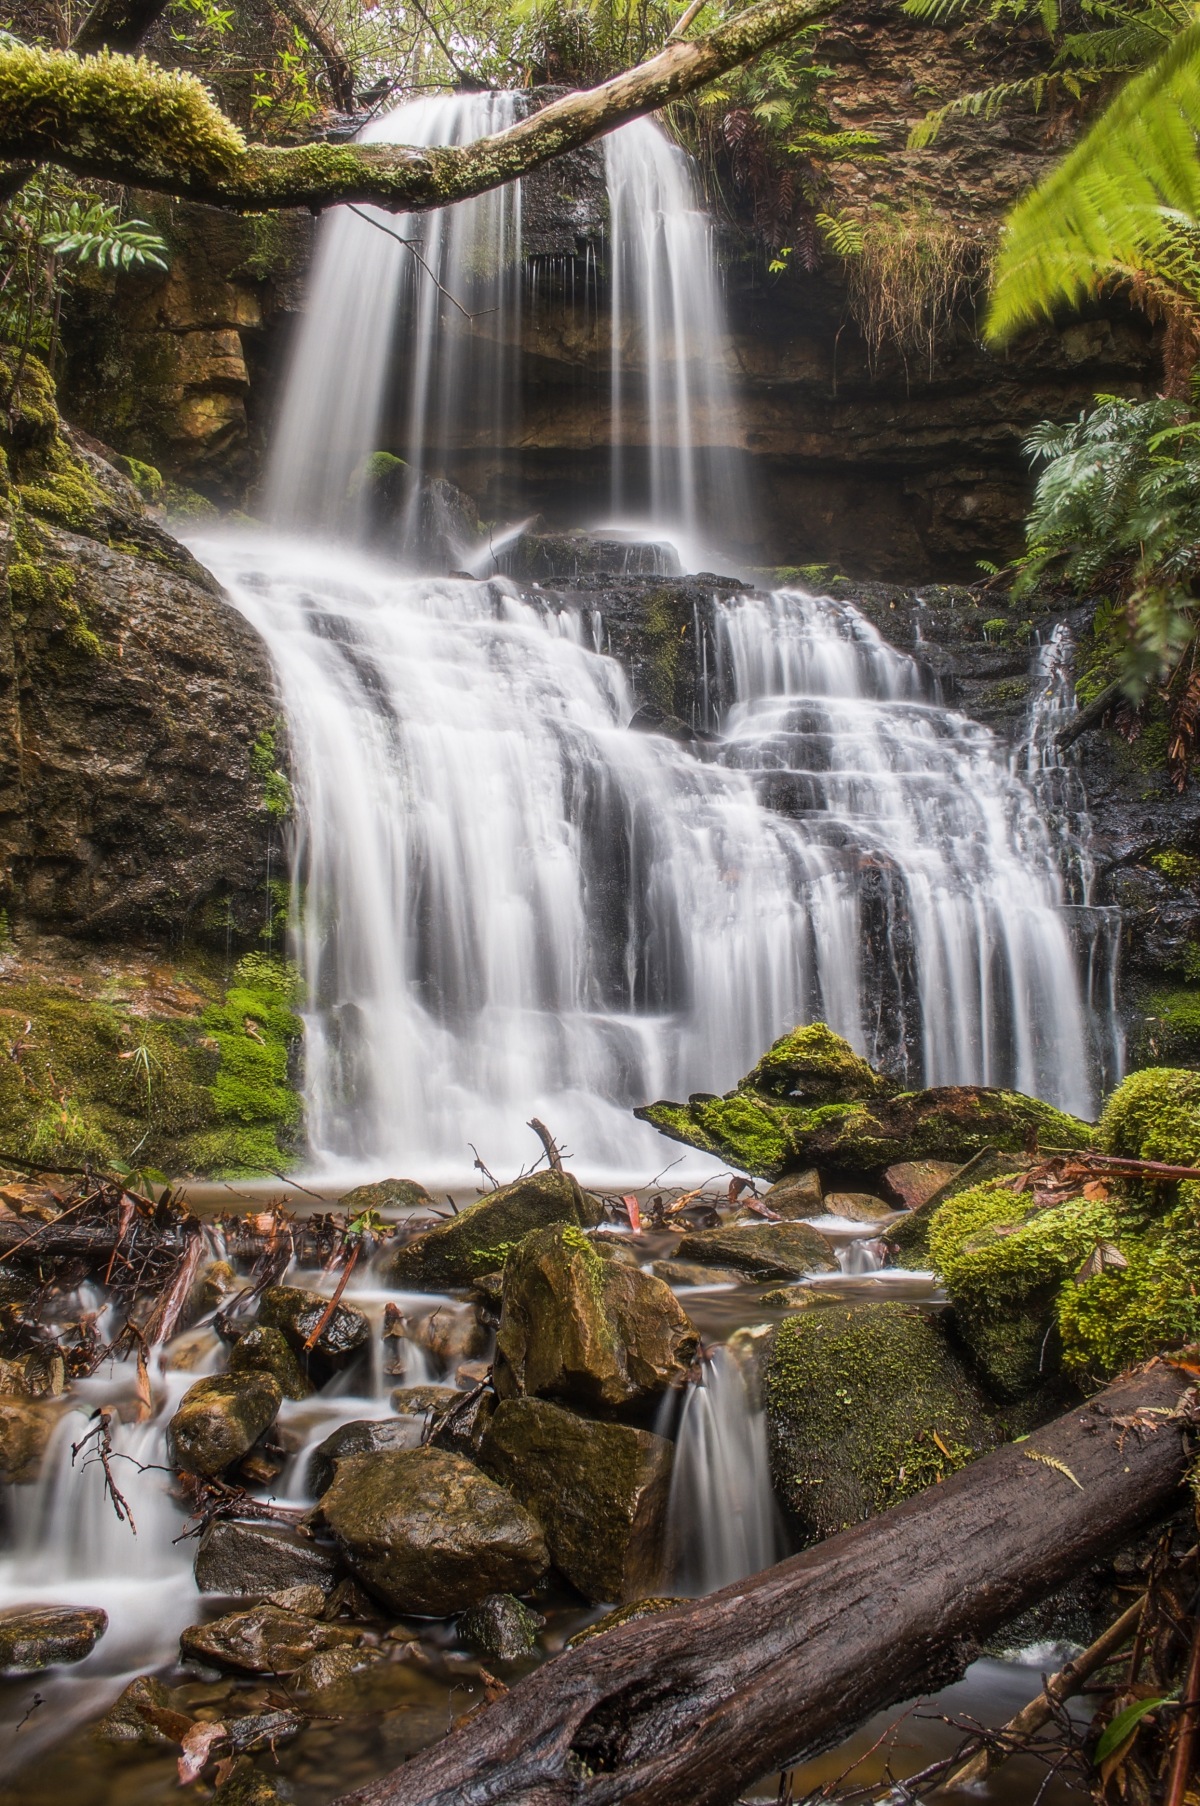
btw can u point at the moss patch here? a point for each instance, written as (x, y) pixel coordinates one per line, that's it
(816, 1065)
(1154, 1115)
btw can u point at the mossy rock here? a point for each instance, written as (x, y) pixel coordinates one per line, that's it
(909, 1237)
(866, 1405)
(219, 1420)
(300, 1316)
(266, 1350)
(1154, 1115)
(33, 1637)
(762, 1250)
(500, 1627)
(26, 1426)
(478, 1239)
(385, 1194)
(813, 1065)
(263, 1640)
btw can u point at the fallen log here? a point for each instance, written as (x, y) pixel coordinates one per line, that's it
(686, 1707)
(22, 1241)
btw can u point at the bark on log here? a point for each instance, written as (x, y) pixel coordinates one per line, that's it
(117, 25)
(26, 1243)
(685, 1708)
(127, 121)
(1089, 717)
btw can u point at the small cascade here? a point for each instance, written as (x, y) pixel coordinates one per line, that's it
(721, 1517)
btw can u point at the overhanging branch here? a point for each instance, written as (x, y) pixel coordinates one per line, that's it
(126, 120)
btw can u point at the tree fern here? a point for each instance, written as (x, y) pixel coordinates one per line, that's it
(1125, 200)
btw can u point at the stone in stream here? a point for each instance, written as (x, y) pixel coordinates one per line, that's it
(130, 1717)
(865, 1404)
(762, 1250)
(500, 1627)
(385, 1194)
(427, 1533)
(247, 1786)
(329, 1668)
(363, 1436)
(296, 1313)
(452, 1334)
(599, 1489)
(37, 1636)
(798, 1196)
(263, 1640)
(251, 1560)
(478, 1239)
(912, 1183)
(264, 1350)
(26, 1426)
(695, 1273)
(591, 1331)
(423, 1401)
(220, 1419)
(858, 1207)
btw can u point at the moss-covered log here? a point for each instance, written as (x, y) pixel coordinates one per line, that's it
(125, 120)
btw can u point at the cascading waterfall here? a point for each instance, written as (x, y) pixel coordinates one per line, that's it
(722, 1522)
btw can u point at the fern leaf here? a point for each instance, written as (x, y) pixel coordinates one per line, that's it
(1060, 1467)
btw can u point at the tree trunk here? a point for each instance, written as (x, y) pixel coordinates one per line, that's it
(686, 1708)
(117, 25)
(327, 45)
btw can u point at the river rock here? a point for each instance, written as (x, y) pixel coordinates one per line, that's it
(247, 1786)
(220, 1419)
(423, 1401)
(762, 1250)
(909, 1237)
(26, 1426)
(329, 1668)
(912, 1183)
(297, 1312)
(263, 1640)
(128, 1720)
(866, 1405)
(500, 1627)
(452, 1334)
(265, 1350)
(251, 1560)
(363, 1436)
(600, 1490)
(478, 1239)
(38, 1636)
(591, 1331)
(695, 1273)
(858, 1207)
(385, 1194)
(798, 1196)
(426, 1532)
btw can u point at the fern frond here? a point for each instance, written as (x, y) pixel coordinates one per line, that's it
(845, 237)
(982, 103)
(936, 12)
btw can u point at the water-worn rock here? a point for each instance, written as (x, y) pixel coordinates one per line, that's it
(865, 1405)
(251, 1560)
(451, 1334)
(858, 1207)
(363, 1436)
(264, 1350)
(909, 1238)
(591, 1331)
(695, 1273)
(600, 1490)
(762, 1250)
(247, 1786)
(26, 1425)
(37, 1636)
(297, 1312)
(263, 1640)
(500, 1627)
(426, 1532)
(329, 1668)
(423, 1401)
(128, 1719)
(912, 1183)
(478, 1239)
(385, 1194)
(220, 1418)
(798, 1196)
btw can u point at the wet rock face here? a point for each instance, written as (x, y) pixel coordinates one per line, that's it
(478, 1239)
(426, 1532)
(252, 1560)
(264, 1640)
(220, 1419)
(33, 1637)
(599, 1489)
(367, 1436)
(500, 1627)
(25, 1428)
(266, 1350)
(798, 1196)
(296, 1314)
(858, 1207)
(762, 1251)
(589, 1331)
(912, 1183)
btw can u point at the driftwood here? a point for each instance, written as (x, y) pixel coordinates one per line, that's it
(1089, 717)
(687, 1707)
(310, 1240)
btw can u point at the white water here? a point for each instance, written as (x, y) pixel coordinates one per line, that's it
(721, 1518)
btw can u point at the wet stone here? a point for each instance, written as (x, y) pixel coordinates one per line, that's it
(307, 1601)
(695, 1273)
(913, 1182)
(365, 1436)
(858, 1207)
(253, 1560)
(477, 1240)
(625, 1614)
(220, 1419)
(423, 1401)
(33, 1637)
(128, 1719)
(329, 1668)
(386, 1194)
(263, 1640)
(500, 1627)
(247, 1786)
(265, 1350)
(297, 1312)
(798, 1196)
(26, 1426)
(763, 1251)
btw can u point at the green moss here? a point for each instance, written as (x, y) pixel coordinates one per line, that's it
(255, 1027)
(187, 504)
(1124, 1315)
(1008, 693)
(815, 1064)
(277, 797)
(1154, 1115)
(144, 477)
(746, 1131)
(663, 626)
(1168, 1032)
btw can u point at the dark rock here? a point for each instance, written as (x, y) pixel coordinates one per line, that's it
(252, 1560)
(38, 1636)
(365, 1436)
(296, 1313)
(500, 1627)
(423, 1401)
(591, 1331)
(428, 1533)
(220, 1419)
(696, 1273)
(461, 1429)
(385, 1194)
(600, 1490)
(127, 1719)
(858, 1207)
(264, 1350)
(330, 1668)
(798, 1196)
(558, 557)
(478, 1239)
(451, 1334)
(307, 1600)
(247, 1786)
(762, 1250)
(26, 1426)
(865, 1405)
(263, 1640)
(913, 1182)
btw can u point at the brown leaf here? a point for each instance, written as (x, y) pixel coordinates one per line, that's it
(196, 1747)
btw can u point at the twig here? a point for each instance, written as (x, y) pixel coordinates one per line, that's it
(311, 1341)
(680, 26)
(103, 1453)
(479, 1168)
(1154, 1169)
(410, 245)
(548, 1142)
(43, 1227)
(1187, 1737)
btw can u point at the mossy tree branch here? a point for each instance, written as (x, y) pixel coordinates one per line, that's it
(117, 25)
(125, 120)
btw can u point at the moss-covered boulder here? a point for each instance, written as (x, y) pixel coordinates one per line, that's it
(865, 1405)
(478, 1239)
(426, 1532)
(599, 1489)
(263, 1640)
(911, 1183)
(500, 1627)
(362, 1436)
(762, 1250)
(297, 1313)
(813, 1065)
(1154, 1115)
(33, 1637)
(26, 1426)
(385, 1194)
(266, 1350)
(909, 1237)
(586, 1330)
(220, 1419)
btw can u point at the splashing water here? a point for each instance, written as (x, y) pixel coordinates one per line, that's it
(721, 1518)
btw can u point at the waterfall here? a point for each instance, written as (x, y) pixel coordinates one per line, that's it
(721, 1518)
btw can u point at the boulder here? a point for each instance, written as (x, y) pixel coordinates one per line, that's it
(26, 1426)
(478, 1239)
(909, 1238)
(912, 1183)
(452, 1334)
(798, 1196)
(423, 1401)
(330, 1668)
(220, 1419)
(462, 1430)
(858, 1207)
(426, 1532)
(251, 1560)
(385, 1194)
(600, 1490)
(263, 1640)
(591, 1331)
(363, 1436)
(264, 1350)
(695, 1273)
(38, 1636)
(762, 1250)
(296, 1313)
(306, 1599)
(129, 1719)
(865, 1404)
(247, 1786)
(500, 1627)
(813, 1065)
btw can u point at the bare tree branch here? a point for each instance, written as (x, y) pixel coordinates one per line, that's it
(117, 25)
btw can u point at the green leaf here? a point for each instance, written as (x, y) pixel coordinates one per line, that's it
(1118, 1730)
